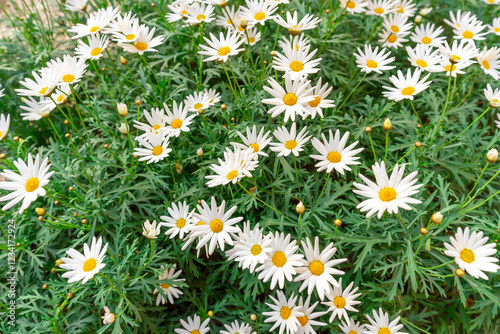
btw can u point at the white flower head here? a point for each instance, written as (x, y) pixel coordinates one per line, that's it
(289, 141)
(150, 230)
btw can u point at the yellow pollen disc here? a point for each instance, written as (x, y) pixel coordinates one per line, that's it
(334, 157)
(155, 128)
(314, 103)
(130, 37)
(184, 12)
(455, 57)
(32, 184)
(387, 194)
(497, 29)
(198, 106)
(68, 78)
(351, 5)
(371, 64)
(224, 51)
(491, 1)
(468, 34)
(89, 265)
(421, 63)
(285, 312)
(229, 21)
(43, 91)
(1, 135)
(450, 68)
(279, 259)
(293, 32)
(240, 28)
(379, 11)
(255, 147)
(60, 98)
(251, 40)
(400, 10)
(232, 174)
(291, 144)
(256, 250)
(486, 65)
(216, 225)
(384, 330)
(296, 66)
(260, 16)
(200, 223)
(157, 150)
(95, 52)
(165, 285)
(494, 101)
(395, 29)
(177, 123)
(392, 39)
(195, 331)
(303, 320)
(316, 267)
(141, 46)
(339, 302)
(290, 99)
(201, 17)
(180, 223)
(467, 255)
(353, 332)
(408, 91)
(94, 29)
(427, 40)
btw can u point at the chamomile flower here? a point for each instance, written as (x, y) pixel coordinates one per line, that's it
(96, 22)
(284, 313)
(289, 141)
(155, 147)
(317, 269)
(213, 95)
(489, 60)
(75, 5)
(236, 165)
(150, 230)
(493, 97)
(292, 100)
(462, 53)
(398, 24)
(217, 227)
(472, 254)
(36, 110)
(93, 50)
(179, 220)
(198, 101)
(252, 36)
(342, 300)
(392, 40)
(494, 28)
(380, 7)
(69, 70)
(251, 248)
(307, 321)
(259, 11)
(424, 57)
(406, 87)
(282, 261)
(491, 2)
(220, 49)
(388, 194)
(156, 122)
(28, 184)
(199, 12)
(178, 121)
(237, 328)
(294, 42)
(170, 290)
(179, 12)
(354, 6)
(255, 140)
(145, 42)
(228, 18)
(352, 327)
(298, 63)
(380, 324)
(193, 326)
(320, 100)
(82, 267)
(460, 19)
(126, 32)
(60, 96)
(4, 126)
(470, 31)
(334, 154)
(452, 69)
(371, 60)
(428, 34)
(43, 85)
(295, 26)
(405, 7)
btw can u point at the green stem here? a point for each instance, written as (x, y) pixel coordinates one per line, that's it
(403, 224)
(321, 194)
(352, 91)
(445, 107)
(386, 146)
(373, 148)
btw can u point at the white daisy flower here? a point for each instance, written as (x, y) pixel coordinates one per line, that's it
(391, 40)
(198, 101)
(43, 85)
(28, 184)
(228, 18)
(169, 289)
(428, 34)
(156, 122)
(371, 60)
(36, 110)
(250, 248)
(295, 26)
(494, 28)
(460, 19)
(4, 126)
(122, 24)
(193, 326)
(289, 141)
(292, 100)
(82, 267)
(452, 69)
(237, 328)
(144, 42)
(470, 31)
(491, 2)
(352, 327)
(179, 12)
(424, 57)
(69, 70)
(108, 317)
(126, 32)
(236, 165)
(398, 24)
(472, 254)
(217, 225)
(381, 325)
(388, 193)
(258, 11)
(179, 220)
(178, 121)
(220, 49)
(317, 269)
(320, 100)
(155, 147)
(354, 6)
(489, 61)
(76, 5)
(342, 300)
(380, 7)
(493, 97)
(150, 230)
(96, 22)
(461, 53)
(252, 36)
(60, 96)
(307, 321)
(334, 154)
(282, 261)
(406, 87)
(294, 42)
(97, 44)
(257, 141)
(405, 7)
(213, 95)
(284, 313)
(298, 63)
(199, 12)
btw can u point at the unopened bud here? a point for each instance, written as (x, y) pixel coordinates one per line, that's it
(273, 53)
(300, 208)
(59, 262)
(243, 22)
(368, 129)
(418, 19)
(138, 102)
(122, 109)
(75, 214)
(70, 189)
(84, 221)
(424, 231)
(123, 60)
(437, 217)
(40, 218)
(418, 144)
(387, 124)
(460, 273)
(123, 128)
(253, 317)
(106, 145)
(40, 211)
(338, 222)
(70, 295)
(223, 106)
(210, 313)
(492, 155)
(3, 156)
(66, 122)
(45, 286)
(199, 152)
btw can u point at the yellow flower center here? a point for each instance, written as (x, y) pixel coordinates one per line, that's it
(232, 174)
(130, 37)
(334, 157)
(296, 66)
(291, 144)
(157, 150)
(316, 267)
(195, 331)
(89, 265)
(165, 285)
(279, 259)
(184, 12)
(303, 320)
(251, 40)
(216, 225)
(379, 10)
(384, 330)
(181, 222)
(351, 4)
(61, 98)
(1, 135)
(339, 302)
(314, 103)
(94, 29)
(421, 63)
(290, 99)
(408, 91)
(455, 57)
(177, 123)
(256, 250)
(395, 29)
(224, 51)
(198, 106)
(486, 65)
(95, 52)
(229, 21)
(392, 39)
(68, 78)
(400, 10)
(468, 34)
(201, 17)
(497, 29)
(450, 68)
(255, 147)
(467, 255)
(387, 194)
(371, 64)
(260, 16)
(43, 91)
(427, 40)
(285, 312)
(353, 332)
(491, 1)
(141, 46)
(32, 184)
(240, 28)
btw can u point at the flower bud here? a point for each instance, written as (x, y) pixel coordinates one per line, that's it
(243, 22)
(424, 231)
(59, 262)
(460, 273)
(418, 19)
(223, 106)
(123, 60)
(210, 313)
(122, 128)
(338, 222)
(40, 211)
(426, 10)
(368, 129)
(108, 317)
(138, 103)
(418, 144)
(45, 287)
(300, 208)
(122, 109)
(273, 53)
(199, 152)
(437, 218)
(387, 124)
(492, 155)
(253, 317)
